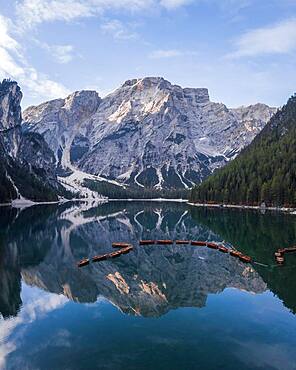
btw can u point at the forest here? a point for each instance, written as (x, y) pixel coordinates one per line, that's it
(116, 192)
(263, 172)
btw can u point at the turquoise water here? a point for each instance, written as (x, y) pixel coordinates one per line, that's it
(159, 307)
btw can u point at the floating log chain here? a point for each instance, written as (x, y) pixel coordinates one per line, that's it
(124, 249)
(199, 243)
(280, 254)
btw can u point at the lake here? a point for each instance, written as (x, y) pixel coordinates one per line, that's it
(158, 307)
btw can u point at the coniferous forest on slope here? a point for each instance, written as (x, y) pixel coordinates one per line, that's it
(264, 171)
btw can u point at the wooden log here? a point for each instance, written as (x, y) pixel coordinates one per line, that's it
(290, 250)
(212, 245)
(147, 242)
(114, 254)
(245, 259)
(164, 242)
(126, 250)
(198, 243)
(83, 262)
(223, 249)
(182, 242)
(120, 245)
(235, 253)
(102, 257)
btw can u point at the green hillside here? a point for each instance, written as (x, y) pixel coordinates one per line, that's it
(264, 171)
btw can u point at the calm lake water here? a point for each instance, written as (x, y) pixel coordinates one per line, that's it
(159, 307)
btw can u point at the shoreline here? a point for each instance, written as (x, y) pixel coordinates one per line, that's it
(149, 200)
(21, 204)
(25, 203)
(291, 211)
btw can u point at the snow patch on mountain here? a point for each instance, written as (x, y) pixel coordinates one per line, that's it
(147, 133)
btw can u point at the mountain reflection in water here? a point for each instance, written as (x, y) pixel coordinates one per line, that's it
(42, 245)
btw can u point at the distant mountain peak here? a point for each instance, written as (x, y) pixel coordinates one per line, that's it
(27, 165)
(147, 133)
(10, 109)
(145, 83)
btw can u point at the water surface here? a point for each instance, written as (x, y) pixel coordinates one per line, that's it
(159, 307)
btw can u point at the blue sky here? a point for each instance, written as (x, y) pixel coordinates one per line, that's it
(243, 51)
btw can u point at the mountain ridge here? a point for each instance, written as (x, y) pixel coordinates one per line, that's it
(148, 133)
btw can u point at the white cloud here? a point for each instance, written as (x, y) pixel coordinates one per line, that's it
(276, 39)
(118, 30)
(9, 50)
(33, 12)
(61, 53)
(39, 85)
(169, 53)
(8, 66)
(13, 64)
(173, 4)
(5, 40)
(36, 309)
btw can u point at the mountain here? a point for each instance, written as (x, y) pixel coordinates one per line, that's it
(146, 134)
(27, 164)
(264, 171)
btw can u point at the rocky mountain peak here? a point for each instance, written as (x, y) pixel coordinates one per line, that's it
(147, 133)
(27, 164)
(159, 84)
(255, 116)
(82, 102)
(144, 82)
(73, 108)
(10, 99)
(140, 97)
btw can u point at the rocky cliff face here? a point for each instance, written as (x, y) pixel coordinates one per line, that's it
(10, 117)
(27, 164)
(62, 123)
(251, 120)
(147, 133)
